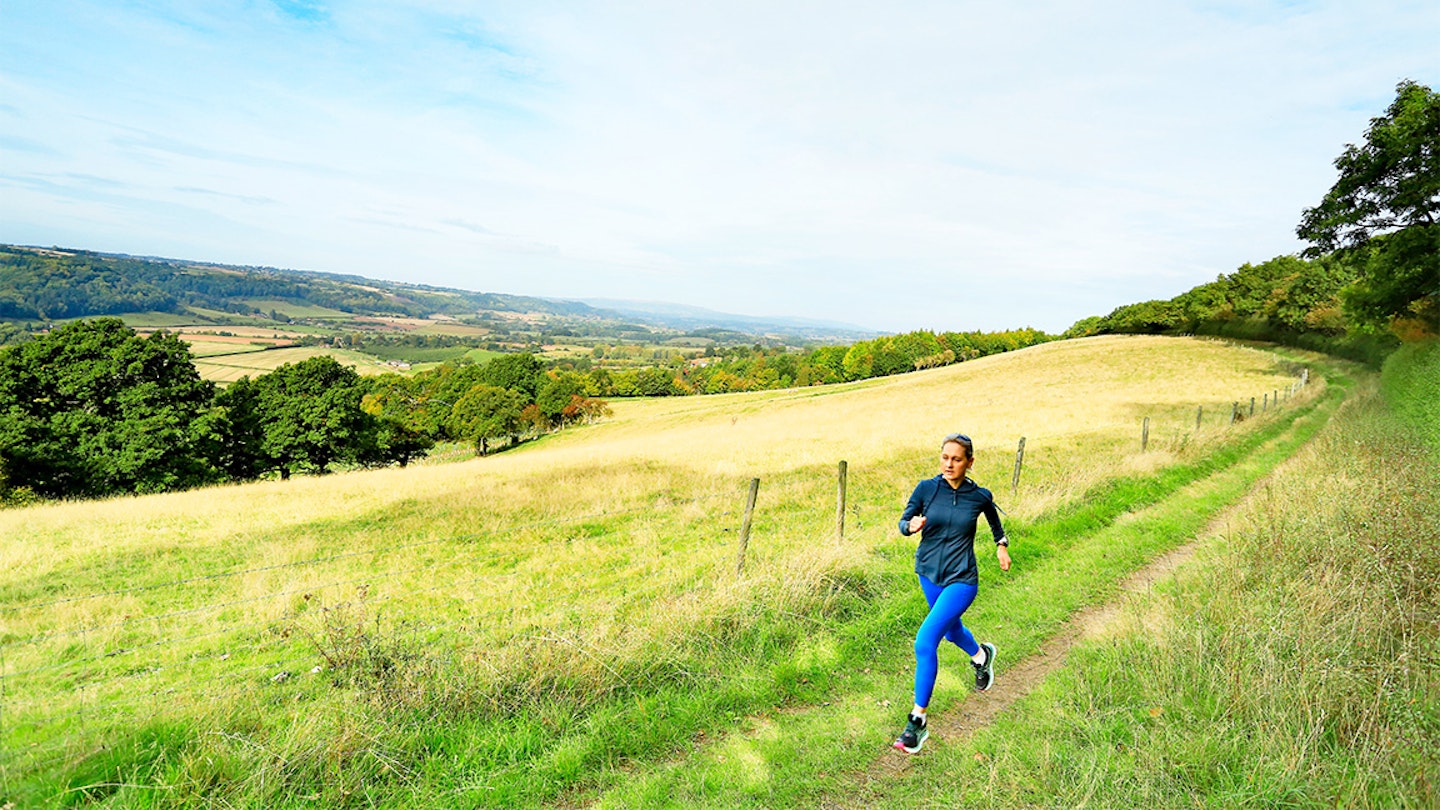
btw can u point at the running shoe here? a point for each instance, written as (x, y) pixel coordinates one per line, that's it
(914, 736)
(985, 673)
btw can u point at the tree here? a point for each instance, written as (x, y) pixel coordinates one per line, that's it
(93, 409)
(556, 393)
(859, 362)
(486, 412)
(1385, 211)
(310, 417)
(518, 372)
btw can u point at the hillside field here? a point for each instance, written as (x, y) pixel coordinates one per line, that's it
(227, 368)
(490, 629)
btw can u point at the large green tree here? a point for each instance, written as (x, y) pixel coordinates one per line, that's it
(517, 372)
(308, 416)
(93, 409)
(1385, 211)
(486, 412)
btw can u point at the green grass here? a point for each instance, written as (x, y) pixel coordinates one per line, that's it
(417, 354)
(199, 347)
(1293, 666)
(579, 682)
(152, 320)
(1411, 381)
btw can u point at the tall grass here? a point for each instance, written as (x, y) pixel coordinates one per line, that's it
(1294, 666)
(1411, 382)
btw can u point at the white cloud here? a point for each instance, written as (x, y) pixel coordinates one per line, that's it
(840, 161)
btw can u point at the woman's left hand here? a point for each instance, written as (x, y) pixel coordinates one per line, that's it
(1002, 553)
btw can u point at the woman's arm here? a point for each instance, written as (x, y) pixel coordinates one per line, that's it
(1002, 542)
(911, 520)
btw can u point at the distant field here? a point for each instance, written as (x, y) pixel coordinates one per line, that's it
(203, 341)
(294, 309)
(231, 368)
(207, 332)
(157, 320)
(200, 347)
(232, 321)
(479, 356)
(425, 326)
(564, 351)
(478, 633)
(452, 328)
(417, 354)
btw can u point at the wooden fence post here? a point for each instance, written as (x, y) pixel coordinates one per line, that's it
(1199, 412)
(840, 504)
(1265, 406)
(745, 525)
(1019, 462)
(1234, 412)
(1145, 434)
(1252, 406)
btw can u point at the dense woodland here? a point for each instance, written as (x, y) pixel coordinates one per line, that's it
(1288, 300)
(56, 285)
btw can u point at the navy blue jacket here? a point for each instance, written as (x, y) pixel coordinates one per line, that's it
(947, 543)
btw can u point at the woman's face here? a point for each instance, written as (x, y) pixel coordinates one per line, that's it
(955, 461)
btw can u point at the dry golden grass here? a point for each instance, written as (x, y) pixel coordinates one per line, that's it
(230, 368)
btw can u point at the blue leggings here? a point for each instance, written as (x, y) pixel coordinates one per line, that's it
(946, 605)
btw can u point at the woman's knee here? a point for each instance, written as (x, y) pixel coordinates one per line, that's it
(925, 646)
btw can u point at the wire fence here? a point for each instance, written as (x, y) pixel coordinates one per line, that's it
(116, 674)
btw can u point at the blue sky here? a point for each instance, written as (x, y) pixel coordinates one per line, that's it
(947, 165)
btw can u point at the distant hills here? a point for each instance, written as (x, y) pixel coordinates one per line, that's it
(53, 284)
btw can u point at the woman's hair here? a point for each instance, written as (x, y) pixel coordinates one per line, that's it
(962, 440)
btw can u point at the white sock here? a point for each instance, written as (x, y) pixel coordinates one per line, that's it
(980, 657)
(919, 712)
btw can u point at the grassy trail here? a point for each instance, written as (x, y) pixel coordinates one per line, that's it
(1068, 564)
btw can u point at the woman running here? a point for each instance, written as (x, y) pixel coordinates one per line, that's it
(945, 510)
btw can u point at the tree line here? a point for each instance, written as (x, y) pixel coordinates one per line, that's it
(1371, 276)
(93, 409)
(761, 368)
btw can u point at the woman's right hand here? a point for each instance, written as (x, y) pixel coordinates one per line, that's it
(917, 523)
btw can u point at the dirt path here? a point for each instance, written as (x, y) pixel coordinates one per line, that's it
(1016, 680)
